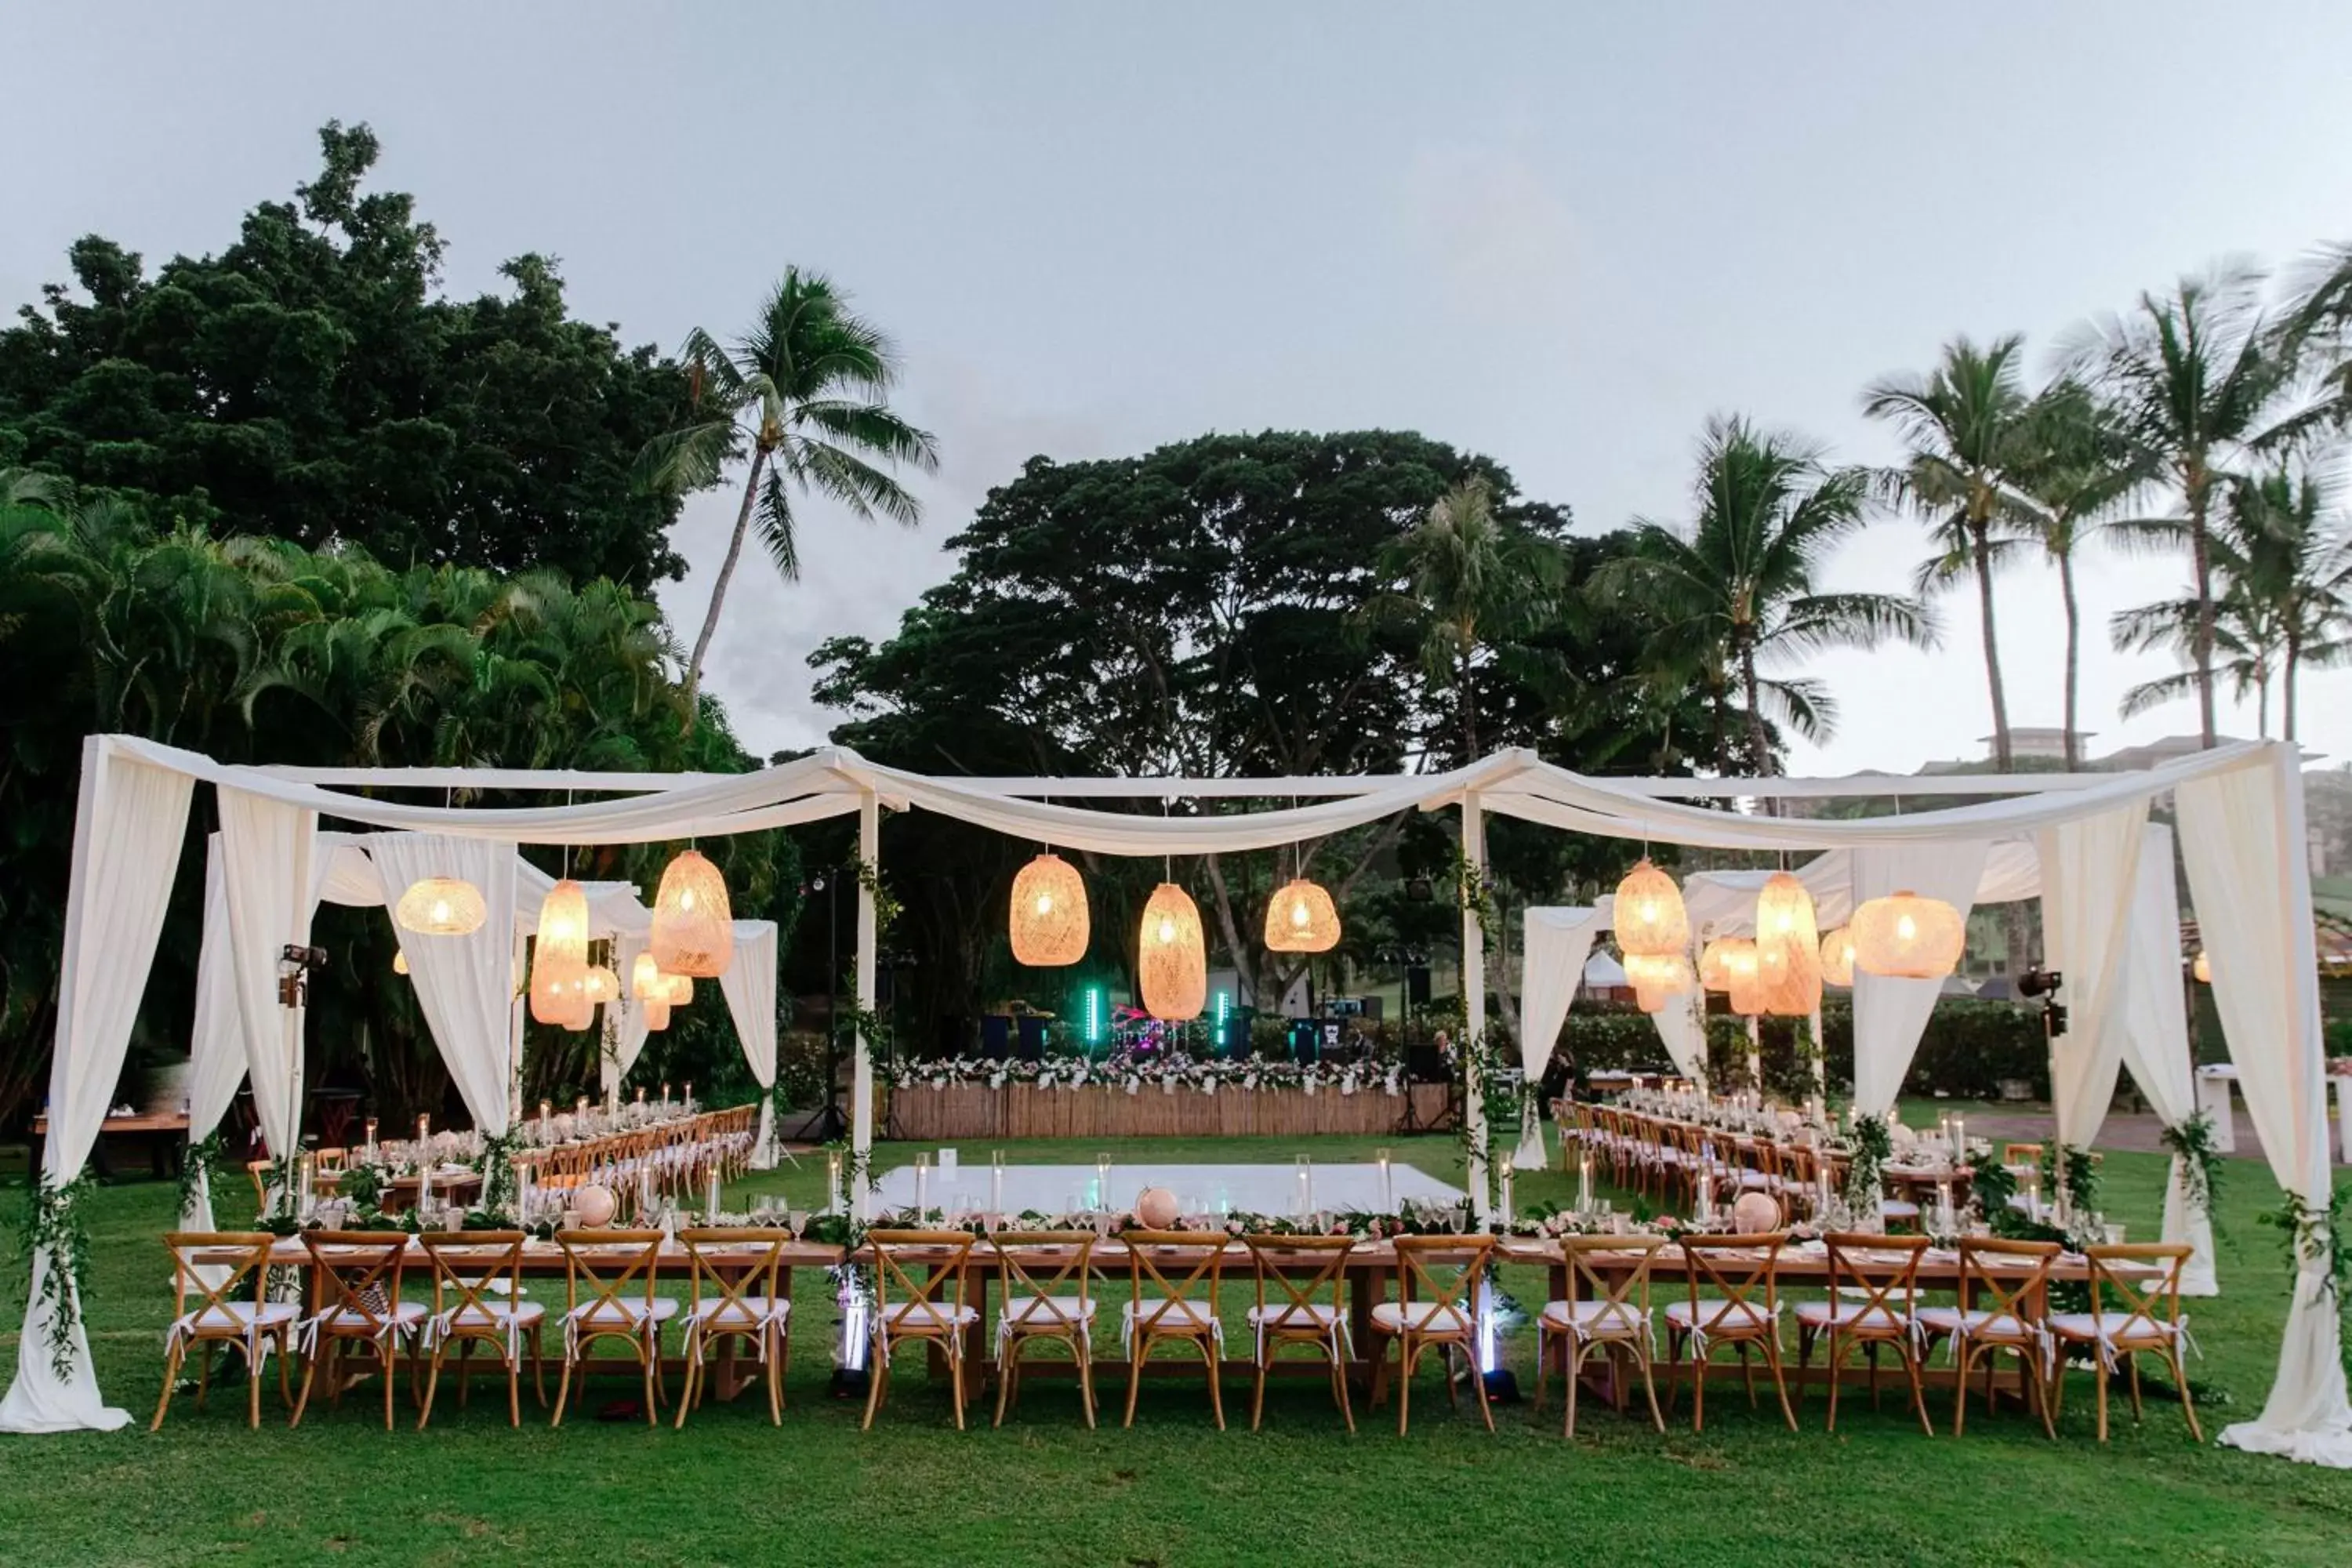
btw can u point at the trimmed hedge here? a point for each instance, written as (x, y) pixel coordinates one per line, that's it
(1968, 1049)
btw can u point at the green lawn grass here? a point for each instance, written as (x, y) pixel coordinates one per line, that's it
(1173, 1490)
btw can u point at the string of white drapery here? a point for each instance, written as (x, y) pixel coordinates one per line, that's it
(1515, 783)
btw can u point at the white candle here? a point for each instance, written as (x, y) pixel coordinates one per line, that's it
(832, 1181)
(711, 1198)
(922, 1187)
(1584, 1183)
(1388, 1181)
(996, 1182)
(1508, 1210)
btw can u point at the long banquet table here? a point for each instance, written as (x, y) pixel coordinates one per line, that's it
(1368, 1277)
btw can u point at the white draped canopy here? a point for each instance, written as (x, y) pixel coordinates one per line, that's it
(2241, 809)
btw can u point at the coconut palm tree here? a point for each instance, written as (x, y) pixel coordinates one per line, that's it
(1472, 577)
(1965, 424)
(1739, 590)
(2194, 377)
(802, 393)
(2285, 561)
(2077, 468)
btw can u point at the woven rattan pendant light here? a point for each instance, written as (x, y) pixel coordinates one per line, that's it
(1788, 947)
(559, 960)
(1650, 919)
(441, 906)
(694, 928)
(1742, 978)
(1172, 958)
(1301, 919)
(1906, 937)
(1837, 957)
(1050, 924)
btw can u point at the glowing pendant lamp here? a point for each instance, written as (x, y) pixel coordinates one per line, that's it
(399, 960)
(1172, 955)
(1301, 919)
(677, 990)
(1050, 925)
(1837, 957)
(694, 928)
(1742, 975)
(1788, 947)
(1712, 973)
(1658, 980)
(656, 1014)
(1906, 937)
(441, 906)
(558, 965)
(2202, 968)
(1650, 919)
(602, 986)
(646, 978)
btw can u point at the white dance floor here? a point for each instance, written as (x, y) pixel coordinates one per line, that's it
(1200, 1189)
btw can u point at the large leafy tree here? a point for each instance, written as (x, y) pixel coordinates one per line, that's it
(2195, 377)
(1738, 590)
(312, 382)
(802, 393)
(255, 650)
(1965, 424)
(1232, 605)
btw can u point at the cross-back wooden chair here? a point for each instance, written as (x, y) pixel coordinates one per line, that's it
(1874, 1300)
(1432, 1310)
(228, 1286)
(932, 1309)
(469, 1310)
(2145, 1321)
(357, 1275)
(2002, 1287)
(257, 1172)
(1301, 1269)
(1162, 1308)
(733, 1273)
(1744, 1272)
(1799, 1179)
(611, 1290)
(1606, 1308)
(1046, 1291)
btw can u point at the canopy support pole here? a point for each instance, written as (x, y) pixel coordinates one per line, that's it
(1471, 896)
(861, 1091)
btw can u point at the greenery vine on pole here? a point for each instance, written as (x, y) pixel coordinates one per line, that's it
(55, 1225)
(2193, 1142)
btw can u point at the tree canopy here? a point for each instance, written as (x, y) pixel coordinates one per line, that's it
(311, 383)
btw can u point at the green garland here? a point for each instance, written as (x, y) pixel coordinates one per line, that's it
(500, 1191)
(887, 906)
(55, 1224)
(1471, 895)
(1865, 1168)
(202, 1162)
(1502, 1090)
(2321, 1236)
(2078, 1177)
(2194, 1143)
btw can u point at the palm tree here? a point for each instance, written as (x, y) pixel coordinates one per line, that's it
(1965, 424)
(2286, 605)
(2076, 468)
(1472, 576)
(1740, 589)
(803, 391)
(2192, 375)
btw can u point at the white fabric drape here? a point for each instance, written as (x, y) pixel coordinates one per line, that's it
(2090, 872)
(266, 864)
(2241, 837)
(1556, 943)
(216, 1044)
(464, 984)
(1682, 1029)
(128, 827)
(2156, 1039)
(627, 1039)
(1889, 1015)
(749, 984)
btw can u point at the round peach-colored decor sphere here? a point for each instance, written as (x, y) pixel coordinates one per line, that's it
(594, 1205)
(1157, 1209)
(1755, 1214)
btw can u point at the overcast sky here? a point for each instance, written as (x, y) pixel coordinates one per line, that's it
(1560, 235)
